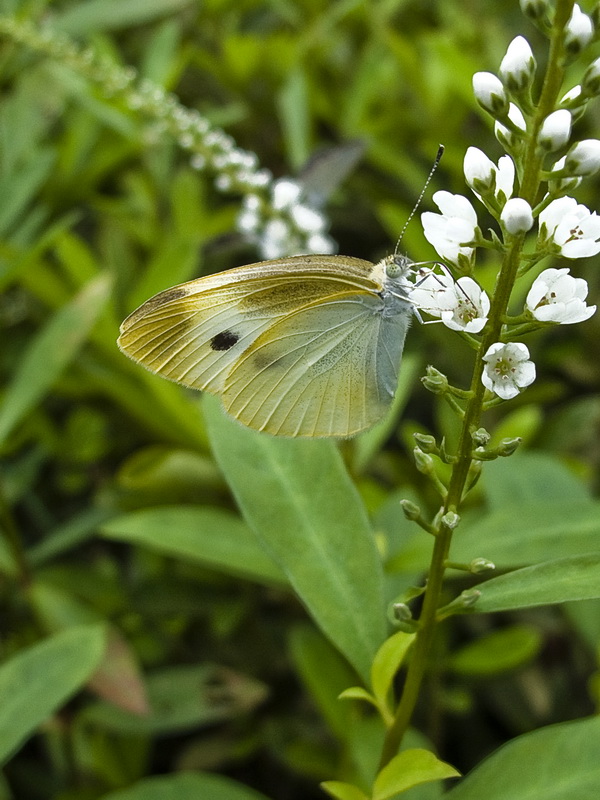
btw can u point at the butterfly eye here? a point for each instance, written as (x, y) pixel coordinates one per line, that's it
(397, 266)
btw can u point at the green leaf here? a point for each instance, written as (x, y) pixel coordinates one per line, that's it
(559, 581)
(39, 680)
(50, 352)
(99, 15)
(358, 693)
(187, 786)
(386, 664)
(295, 117)
(343, 791)
(183, 698)
(301, 503)
(559, 762)
(409, 768)
(498, 651)
(209, 536)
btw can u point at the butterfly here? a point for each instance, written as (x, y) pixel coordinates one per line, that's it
(306, 346)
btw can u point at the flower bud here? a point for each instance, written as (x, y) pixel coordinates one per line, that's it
(562, 184)
(534, 9)
(572, 98)
(555, 130)
(435, 381)
(508, 446)
(510, 137)
(402, 612)
(578, 32)
(469, 597)
(480, 171)
(411, 510)
(450, 520)
(583, 158)
(517, 216)
(481, 438)
(426, 442)
(517, 68)
(490, 93)
(591, 79)
(424, 462)
(479, 565)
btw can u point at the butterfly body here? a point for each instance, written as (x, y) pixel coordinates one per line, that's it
(300, 346)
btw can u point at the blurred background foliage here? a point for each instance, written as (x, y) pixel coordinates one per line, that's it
(97, 213)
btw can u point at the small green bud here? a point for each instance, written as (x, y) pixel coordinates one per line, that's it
(424, 462)
(450, 520)
(402, 612)
(481, 438)
(426, 442)
(479, 565)
(591, 79)
(508, 446)
(411, 510)
(534, 9)
(469, 597)
(435, 381)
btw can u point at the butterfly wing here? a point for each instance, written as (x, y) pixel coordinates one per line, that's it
(328, 369)
(194, 333)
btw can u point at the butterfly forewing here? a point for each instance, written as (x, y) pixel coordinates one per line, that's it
(195, 332)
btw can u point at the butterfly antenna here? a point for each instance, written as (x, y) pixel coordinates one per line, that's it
(436, 161)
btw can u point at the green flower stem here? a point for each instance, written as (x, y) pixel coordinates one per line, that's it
(530, 183)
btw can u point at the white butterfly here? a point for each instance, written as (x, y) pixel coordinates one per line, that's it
(300, 346)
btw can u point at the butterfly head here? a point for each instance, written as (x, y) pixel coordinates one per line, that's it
(398, 266)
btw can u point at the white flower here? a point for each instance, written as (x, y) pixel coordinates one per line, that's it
(584, 158)
(490, 93)
(555, 130)
(571, 227)
(483, 175)
(505, 136)
(578, 31)
(461, 306)
(285, 193)
(517, 216)
(517, 68)
(571, 96)
(307, 219)
(321, 243)
(451, 231)
(556, 296)
(276, 239)
(508, 369)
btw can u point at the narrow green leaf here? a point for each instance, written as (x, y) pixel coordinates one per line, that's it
(100, 15)
(209, 536)
(559, 581)
(39, 680)
(409, 768)
(51, 351)
(343, 791)
(187, 786)
(498, 651)
(301, 503)
(386, 664)
(358, 693)
(22, 186)
(559, 762)
(295, 117)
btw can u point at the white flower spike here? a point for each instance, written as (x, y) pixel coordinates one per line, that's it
(517, 216)
(556, 296)
(508, 369)
(461, 306)
(571, 228)
(451, 231)
(517, 68)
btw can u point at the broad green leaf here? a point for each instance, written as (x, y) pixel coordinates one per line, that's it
(559, 762)
(301, 503)
(183, 698)
(187, 786)
(409, 768)
(50, 352)
(343, 791)
(39, 680)
(522, 535)
(98, 15)
(559, 581)
(497, 651)
(386, 664)
(209, 536)
(527, 478)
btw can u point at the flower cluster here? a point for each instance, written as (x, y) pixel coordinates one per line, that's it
(534, 140)
(277, 222)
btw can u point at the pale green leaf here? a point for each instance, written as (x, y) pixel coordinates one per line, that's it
(409, 768)
(301, 503)
(559, 581)
(186, 786)
(343, 791)
(559, 762)
(357, 693)
(98, 15)
(39, 680)
(50, 351)
(498, 651)
(387, 662)
(209, 536)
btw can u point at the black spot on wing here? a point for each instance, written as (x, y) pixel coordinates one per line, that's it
(224, 340)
